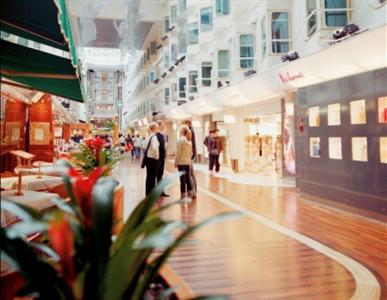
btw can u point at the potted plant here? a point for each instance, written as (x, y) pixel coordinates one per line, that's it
(94, 155)
(81, 261)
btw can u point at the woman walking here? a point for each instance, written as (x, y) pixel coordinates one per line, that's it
(183, 161)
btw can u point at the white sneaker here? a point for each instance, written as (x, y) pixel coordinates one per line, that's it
(186, 200)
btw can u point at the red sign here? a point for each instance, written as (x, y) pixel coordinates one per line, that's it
(286, 78)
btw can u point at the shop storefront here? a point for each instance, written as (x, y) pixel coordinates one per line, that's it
(341, 140)
(259, 137)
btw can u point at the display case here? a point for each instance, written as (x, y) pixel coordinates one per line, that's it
(358, 112)
(314, 116)
(314, 147)
(383, 149)
(335, 151)
(382, 109)
(334, 118)
(359, 149)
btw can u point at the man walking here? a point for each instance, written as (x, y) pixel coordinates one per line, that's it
(151, 159)
(162, 152)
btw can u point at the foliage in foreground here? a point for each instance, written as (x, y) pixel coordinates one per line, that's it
(81, 260)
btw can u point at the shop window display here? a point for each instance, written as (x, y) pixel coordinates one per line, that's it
(314, 147)
(314, 116)
(383, 149)
(382, 109)
(334, 114)
(359, 149)
(263, 147)
(358, 112)
(335, 148)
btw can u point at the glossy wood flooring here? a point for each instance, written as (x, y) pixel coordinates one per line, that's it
(244, 259)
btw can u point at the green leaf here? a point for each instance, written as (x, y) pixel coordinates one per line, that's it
(64, 206)
(166, 293)
(103, 195)
(163, 238)
(23, 229)
(142, 210)
(126, 266)
(161, 259)
(47, 250)
(21, 211)
(48, 284)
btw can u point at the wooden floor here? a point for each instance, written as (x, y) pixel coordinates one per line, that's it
(245, 259)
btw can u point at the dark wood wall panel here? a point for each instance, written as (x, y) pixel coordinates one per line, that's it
(15, 111)
(359, 184)
(42, 112)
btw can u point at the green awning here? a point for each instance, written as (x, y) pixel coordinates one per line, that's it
(47, 23)
(35, 20)
(42, 71)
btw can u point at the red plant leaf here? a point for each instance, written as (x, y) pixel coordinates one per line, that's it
(62, 241)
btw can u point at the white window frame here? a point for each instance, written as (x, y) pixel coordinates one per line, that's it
(229, 64)
(264, 37)
(212, 19)
(206, 78)
(246, 58)
(222, 14)
(195, 85)
(271, 40)
(319, 14)
(173, 19)
(188, 33)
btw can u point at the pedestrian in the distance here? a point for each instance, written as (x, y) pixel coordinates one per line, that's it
(163, 152)
(194, 159)
(151, 159)
(215, 148)
(183, 161)
(137, 147)
(206, 143)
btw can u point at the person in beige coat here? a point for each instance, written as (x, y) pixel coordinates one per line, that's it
(183, 161)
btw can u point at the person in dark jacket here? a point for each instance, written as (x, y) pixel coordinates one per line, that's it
(162, 152)
(194, 158)
(214, 150)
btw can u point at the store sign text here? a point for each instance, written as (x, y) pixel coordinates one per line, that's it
(286, 78)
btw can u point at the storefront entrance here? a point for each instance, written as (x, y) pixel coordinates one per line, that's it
(263, 144)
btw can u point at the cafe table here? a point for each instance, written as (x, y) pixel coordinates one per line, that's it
(37, 200)
(47, 170)
(31, 182)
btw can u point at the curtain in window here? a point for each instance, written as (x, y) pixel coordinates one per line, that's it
(246, 51)
(174, 52)
(206, 19)
(192, 77)
(166, 24)
(166, 59)
(310, 7)
(193, 33)
(166, 96)
(182, 5)
(206, 73)
(182, 40)
(173, 14)
(263, 37)
(280, 32)
(182, 84)
(335, 18)
(223, 63)
(222, 7)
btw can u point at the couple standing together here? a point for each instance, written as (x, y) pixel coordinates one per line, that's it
(155, 155)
